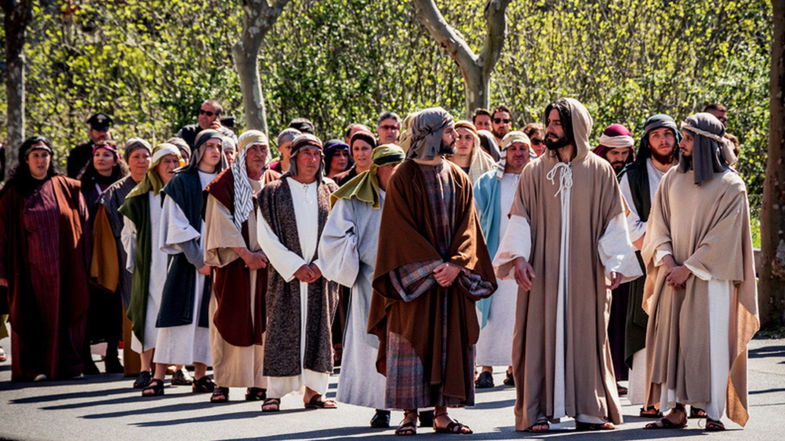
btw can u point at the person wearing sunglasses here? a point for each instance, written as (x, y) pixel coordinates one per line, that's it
(501, 122)
(208, 117)
(536, 133)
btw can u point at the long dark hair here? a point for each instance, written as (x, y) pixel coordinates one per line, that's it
(21, 177)
(89, 174)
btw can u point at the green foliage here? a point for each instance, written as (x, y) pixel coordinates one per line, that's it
(150, 63)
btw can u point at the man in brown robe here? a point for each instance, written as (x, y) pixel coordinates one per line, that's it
(567, 246)
(425, 286)
(700, 289)
(237, 308)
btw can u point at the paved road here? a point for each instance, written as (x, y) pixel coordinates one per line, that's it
(104, 407)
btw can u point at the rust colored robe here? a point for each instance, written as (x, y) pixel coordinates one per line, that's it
(435, 332)
(43, 256)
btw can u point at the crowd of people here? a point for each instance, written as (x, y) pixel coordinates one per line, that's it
(418, 257)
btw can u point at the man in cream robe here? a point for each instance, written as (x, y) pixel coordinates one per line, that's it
(300, 302)
(348, 249)
(237, 309)
(566, 246)
(700, 289)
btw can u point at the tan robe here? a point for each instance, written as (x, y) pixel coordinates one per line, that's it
(577, 317)
(233, 366)
(716, 242)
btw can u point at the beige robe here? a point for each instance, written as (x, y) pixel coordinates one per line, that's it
(707, 229)
(233, 366)
(567, 221)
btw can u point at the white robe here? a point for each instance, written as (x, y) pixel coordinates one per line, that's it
(286, 263)
(158, 262)
(185, 344)
(494, 346)
(348, 250)
(636, 392)
(616, 254)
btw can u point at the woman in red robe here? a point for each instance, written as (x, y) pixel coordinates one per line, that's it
(43, 264)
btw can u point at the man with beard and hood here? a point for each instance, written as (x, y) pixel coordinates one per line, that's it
(426, 286)
(616, 146)
(567, 246)
(300, 301)
(700, 290)
(183, 336)
(237, 309)
(140, 237)
(639, 182)
(348, 248)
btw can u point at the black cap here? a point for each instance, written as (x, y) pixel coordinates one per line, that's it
(303, 125)
(100, 121)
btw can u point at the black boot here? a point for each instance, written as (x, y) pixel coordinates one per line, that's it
(381, 420)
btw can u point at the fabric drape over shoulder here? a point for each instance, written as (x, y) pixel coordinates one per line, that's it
(409, 236)
(718, 244)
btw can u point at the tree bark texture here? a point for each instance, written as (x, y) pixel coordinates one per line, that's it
(17, 16)
(260, 15)
(771, 293)
(476, 69)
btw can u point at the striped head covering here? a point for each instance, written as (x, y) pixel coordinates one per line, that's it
(243, 192)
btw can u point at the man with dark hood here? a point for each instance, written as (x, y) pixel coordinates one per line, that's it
(616, 146)
(300, 301)
(425, 286)
(700, 290)
(567, 246)
(183, 336)
(639, 182)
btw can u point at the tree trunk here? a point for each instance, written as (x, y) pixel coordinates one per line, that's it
(475, 69)
(260, 15)
(18, 15)
(771, 293)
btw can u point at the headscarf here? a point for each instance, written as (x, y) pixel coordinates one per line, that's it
(181, 144)
(365, 186)
(427, 128)
(243, 192)
(306, 140)
(332, 147)
(509, 139)
(201, 138)
(135, 144)
(405, 139)
(710, 151)
(615, 136)
(109, 147)
(153, 182)
(654, 122)
(480, 161)
(577, 123)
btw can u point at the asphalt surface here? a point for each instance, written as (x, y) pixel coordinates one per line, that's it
(104, 407)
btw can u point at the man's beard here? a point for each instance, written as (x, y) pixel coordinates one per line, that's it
(662, 159)
(618, 165)
(556, 144)
(447, 149)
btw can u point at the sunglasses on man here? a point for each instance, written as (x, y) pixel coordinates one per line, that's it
(537, 141)
(206, 112)
(501, 120)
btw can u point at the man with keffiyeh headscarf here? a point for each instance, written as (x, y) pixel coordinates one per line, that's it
(146, 262)
(700, 291)
(300, 301)
(638, 182)
(432, 266)
(348, 249)
(566, 246)
(237, 308)
(616, 146)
